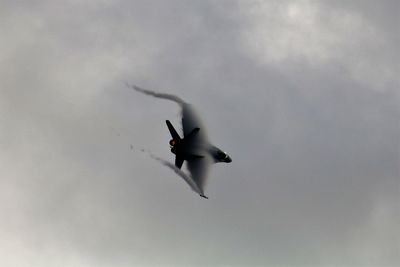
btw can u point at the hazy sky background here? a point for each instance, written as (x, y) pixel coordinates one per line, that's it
(303, 95)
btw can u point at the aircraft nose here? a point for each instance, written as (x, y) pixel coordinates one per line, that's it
(228, 159)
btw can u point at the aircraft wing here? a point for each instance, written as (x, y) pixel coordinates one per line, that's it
(198, 168)
(191, 121)
(188, 179)
(179, 161)
(198, 144)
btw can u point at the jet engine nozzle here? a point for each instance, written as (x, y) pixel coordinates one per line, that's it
(172, 142)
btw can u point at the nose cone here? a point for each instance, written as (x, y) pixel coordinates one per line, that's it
(220, 156)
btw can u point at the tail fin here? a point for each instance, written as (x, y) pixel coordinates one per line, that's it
(172, 130)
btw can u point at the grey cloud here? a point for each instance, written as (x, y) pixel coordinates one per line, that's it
(316, 150)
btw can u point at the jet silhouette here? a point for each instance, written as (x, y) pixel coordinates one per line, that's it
(190, 148)
(194, 147)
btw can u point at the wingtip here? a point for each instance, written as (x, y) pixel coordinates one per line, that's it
(204, 196)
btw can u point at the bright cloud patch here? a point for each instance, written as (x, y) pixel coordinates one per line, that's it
(307, 32)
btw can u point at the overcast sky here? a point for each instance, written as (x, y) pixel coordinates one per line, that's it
(303, 95)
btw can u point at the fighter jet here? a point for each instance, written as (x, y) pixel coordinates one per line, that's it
(191, 148)
(194, 147)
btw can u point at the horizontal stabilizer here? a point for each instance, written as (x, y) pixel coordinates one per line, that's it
(178, 162)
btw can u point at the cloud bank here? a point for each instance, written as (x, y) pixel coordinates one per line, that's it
(303, 94)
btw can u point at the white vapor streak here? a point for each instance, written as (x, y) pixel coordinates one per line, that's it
(158, 95)
(178, 171)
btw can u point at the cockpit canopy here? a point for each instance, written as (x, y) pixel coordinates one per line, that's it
(223, 157)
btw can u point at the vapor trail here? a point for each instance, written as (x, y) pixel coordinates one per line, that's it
(158, 95)
(190, 120)
(178, 171)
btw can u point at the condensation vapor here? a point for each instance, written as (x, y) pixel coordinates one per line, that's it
(200, 145)
(190, 118)
(178, 171)
(158, 95)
